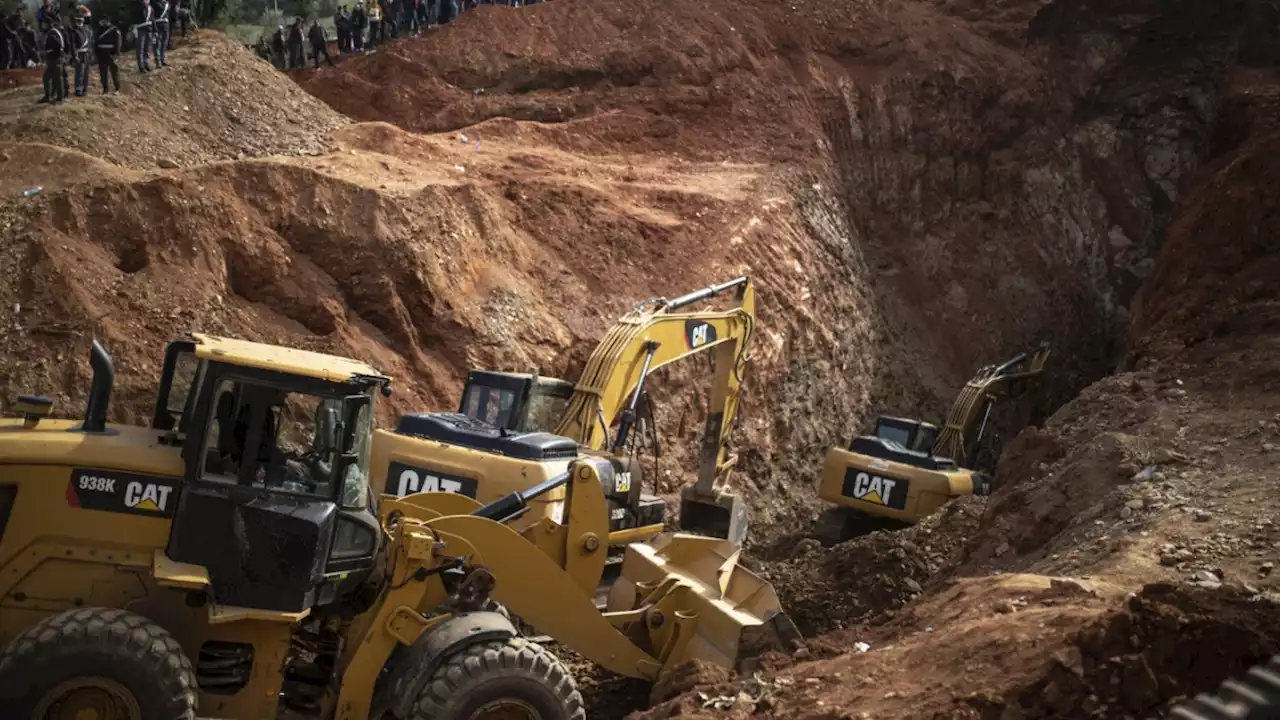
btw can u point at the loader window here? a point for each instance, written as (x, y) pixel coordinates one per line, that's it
(273, 439)
(355, 483)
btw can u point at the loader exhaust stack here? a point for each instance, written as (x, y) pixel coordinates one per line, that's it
(104, 375)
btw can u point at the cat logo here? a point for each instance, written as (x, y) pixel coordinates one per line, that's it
(404, 480)
(875, 489)
(622, 484)
(699, 336)
(148, 497)
(698, 333)
(122, 492)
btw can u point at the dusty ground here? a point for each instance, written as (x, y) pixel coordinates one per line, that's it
(918, 188)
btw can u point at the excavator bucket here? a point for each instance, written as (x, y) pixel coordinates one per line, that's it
(722, 515)
(700, 603)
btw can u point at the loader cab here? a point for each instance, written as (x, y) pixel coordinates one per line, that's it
(520, 402)
(275, 502)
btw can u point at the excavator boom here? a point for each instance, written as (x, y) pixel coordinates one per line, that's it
(972, 406)
(649, 337)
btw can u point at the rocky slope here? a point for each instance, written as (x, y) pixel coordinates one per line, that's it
(978, 179)
(918, 187)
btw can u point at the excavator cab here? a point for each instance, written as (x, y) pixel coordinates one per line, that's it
(915, 435)
(520, 402)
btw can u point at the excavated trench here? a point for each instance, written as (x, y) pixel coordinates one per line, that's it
(910, 210)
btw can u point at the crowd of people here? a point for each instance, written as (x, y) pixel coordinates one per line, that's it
(361, 27)
(68, 41)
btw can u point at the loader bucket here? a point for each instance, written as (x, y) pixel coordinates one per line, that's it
(723, 515)
(711, 608)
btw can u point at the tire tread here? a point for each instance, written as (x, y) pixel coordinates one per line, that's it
(513, 656)
(39, 651)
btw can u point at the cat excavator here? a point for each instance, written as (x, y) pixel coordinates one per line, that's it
(908, 468)
(516, 429)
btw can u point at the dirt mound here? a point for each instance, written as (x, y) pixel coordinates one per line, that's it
(215, 101)
(417, 266)
(1170, 642)
(957, 652)
(869, 576)
(690, 78)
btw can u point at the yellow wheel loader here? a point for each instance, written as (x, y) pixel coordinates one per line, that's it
(231, 560)
(513, 429)
(908, 468)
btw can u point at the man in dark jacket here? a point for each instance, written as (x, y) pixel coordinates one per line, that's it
(8, 43)
(160, 31)
(294, 44)
(277, 48)
(107, 48)
(142, 33)
(68, 53)
(82, 42)
(319, 45)
(44, 16)
(359, 21)
(55, 89)
(30, 43)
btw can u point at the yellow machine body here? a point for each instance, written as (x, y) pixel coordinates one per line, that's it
(515, 429)
(888, 489)
(277, 594)
(908, 468)
(87, 515)
(679, 597)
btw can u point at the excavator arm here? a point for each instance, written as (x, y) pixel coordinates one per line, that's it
(973, 405)
(651, 336)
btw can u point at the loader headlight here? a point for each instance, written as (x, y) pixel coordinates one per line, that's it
(353, 540)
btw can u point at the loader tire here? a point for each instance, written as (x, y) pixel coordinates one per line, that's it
(123, 665)
(511, 678)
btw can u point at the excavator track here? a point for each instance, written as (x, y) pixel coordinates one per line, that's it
(1255, 697)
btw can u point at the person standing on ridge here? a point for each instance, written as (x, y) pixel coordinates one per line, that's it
(181, 15)
(29, 42)
(359, 21)
(108, 47)
(68, 51)
(319, 45)
(55, 91)
(8, 43)
(277, 47)
(342, 26)
(143, 37)
(160, 32)
(374, 12)
(44, 16)
(82, 38)
(294, 44)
